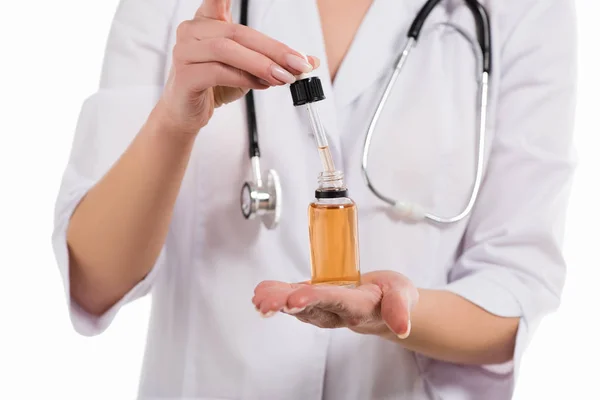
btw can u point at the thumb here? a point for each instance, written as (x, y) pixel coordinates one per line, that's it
(396, 304)
(215, 9)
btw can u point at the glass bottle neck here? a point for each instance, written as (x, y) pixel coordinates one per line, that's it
(331, 180)
(331, 185)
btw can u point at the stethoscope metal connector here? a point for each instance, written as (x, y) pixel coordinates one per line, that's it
(262, 199)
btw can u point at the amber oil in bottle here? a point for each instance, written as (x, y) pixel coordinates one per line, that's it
(333, 232)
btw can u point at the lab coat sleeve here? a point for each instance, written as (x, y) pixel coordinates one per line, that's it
(512, 263)
(131, 83)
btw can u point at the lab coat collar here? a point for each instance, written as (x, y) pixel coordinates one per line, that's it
(376, 46)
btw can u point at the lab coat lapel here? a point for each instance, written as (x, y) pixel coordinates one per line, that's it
(375, 47)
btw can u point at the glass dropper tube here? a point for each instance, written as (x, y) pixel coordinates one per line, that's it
(321, 137)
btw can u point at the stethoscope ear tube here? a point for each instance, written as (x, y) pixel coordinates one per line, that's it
(484, 32)
(482, 23)
(415, 29)
(411, 211)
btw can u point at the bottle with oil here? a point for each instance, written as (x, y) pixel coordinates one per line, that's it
(333, 232)
(332, 216)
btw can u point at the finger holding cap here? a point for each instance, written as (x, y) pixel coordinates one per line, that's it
(216, 9)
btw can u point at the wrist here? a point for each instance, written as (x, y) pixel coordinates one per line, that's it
(162, 122)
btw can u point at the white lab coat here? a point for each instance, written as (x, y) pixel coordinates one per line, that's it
(205, 339)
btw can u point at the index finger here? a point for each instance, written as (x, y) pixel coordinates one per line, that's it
(292, 60)
(215, 9)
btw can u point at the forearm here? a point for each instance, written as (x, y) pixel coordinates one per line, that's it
(116, 233)
(447, 327)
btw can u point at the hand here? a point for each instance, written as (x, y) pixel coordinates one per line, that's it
(380, 305)
(216, 62)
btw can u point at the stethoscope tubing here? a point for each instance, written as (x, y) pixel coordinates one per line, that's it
(407, 210)
(413, 211)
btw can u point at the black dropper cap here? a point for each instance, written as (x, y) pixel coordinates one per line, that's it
(308, 90)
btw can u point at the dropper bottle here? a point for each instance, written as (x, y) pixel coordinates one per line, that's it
(332, 216)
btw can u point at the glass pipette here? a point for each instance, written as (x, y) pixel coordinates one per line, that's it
(305, 92)
(321, 137)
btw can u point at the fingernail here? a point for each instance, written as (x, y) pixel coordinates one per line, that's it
(293, 311)
(317, 62)
(282, 75)
(304, 56)
(298, 63)
(263, 82)
(407, 333)
(268, 314)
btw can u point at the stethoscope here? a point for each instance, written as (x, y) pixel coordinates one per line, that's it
(263, 199)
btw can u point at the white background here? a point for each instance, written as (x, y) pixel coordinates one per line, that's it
(51, 54)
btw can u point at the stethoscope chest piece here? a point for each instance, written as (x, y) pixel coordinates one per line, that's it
(262, 199)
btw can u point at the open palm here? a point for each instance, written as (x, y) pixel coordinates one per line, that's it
(381, 302)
